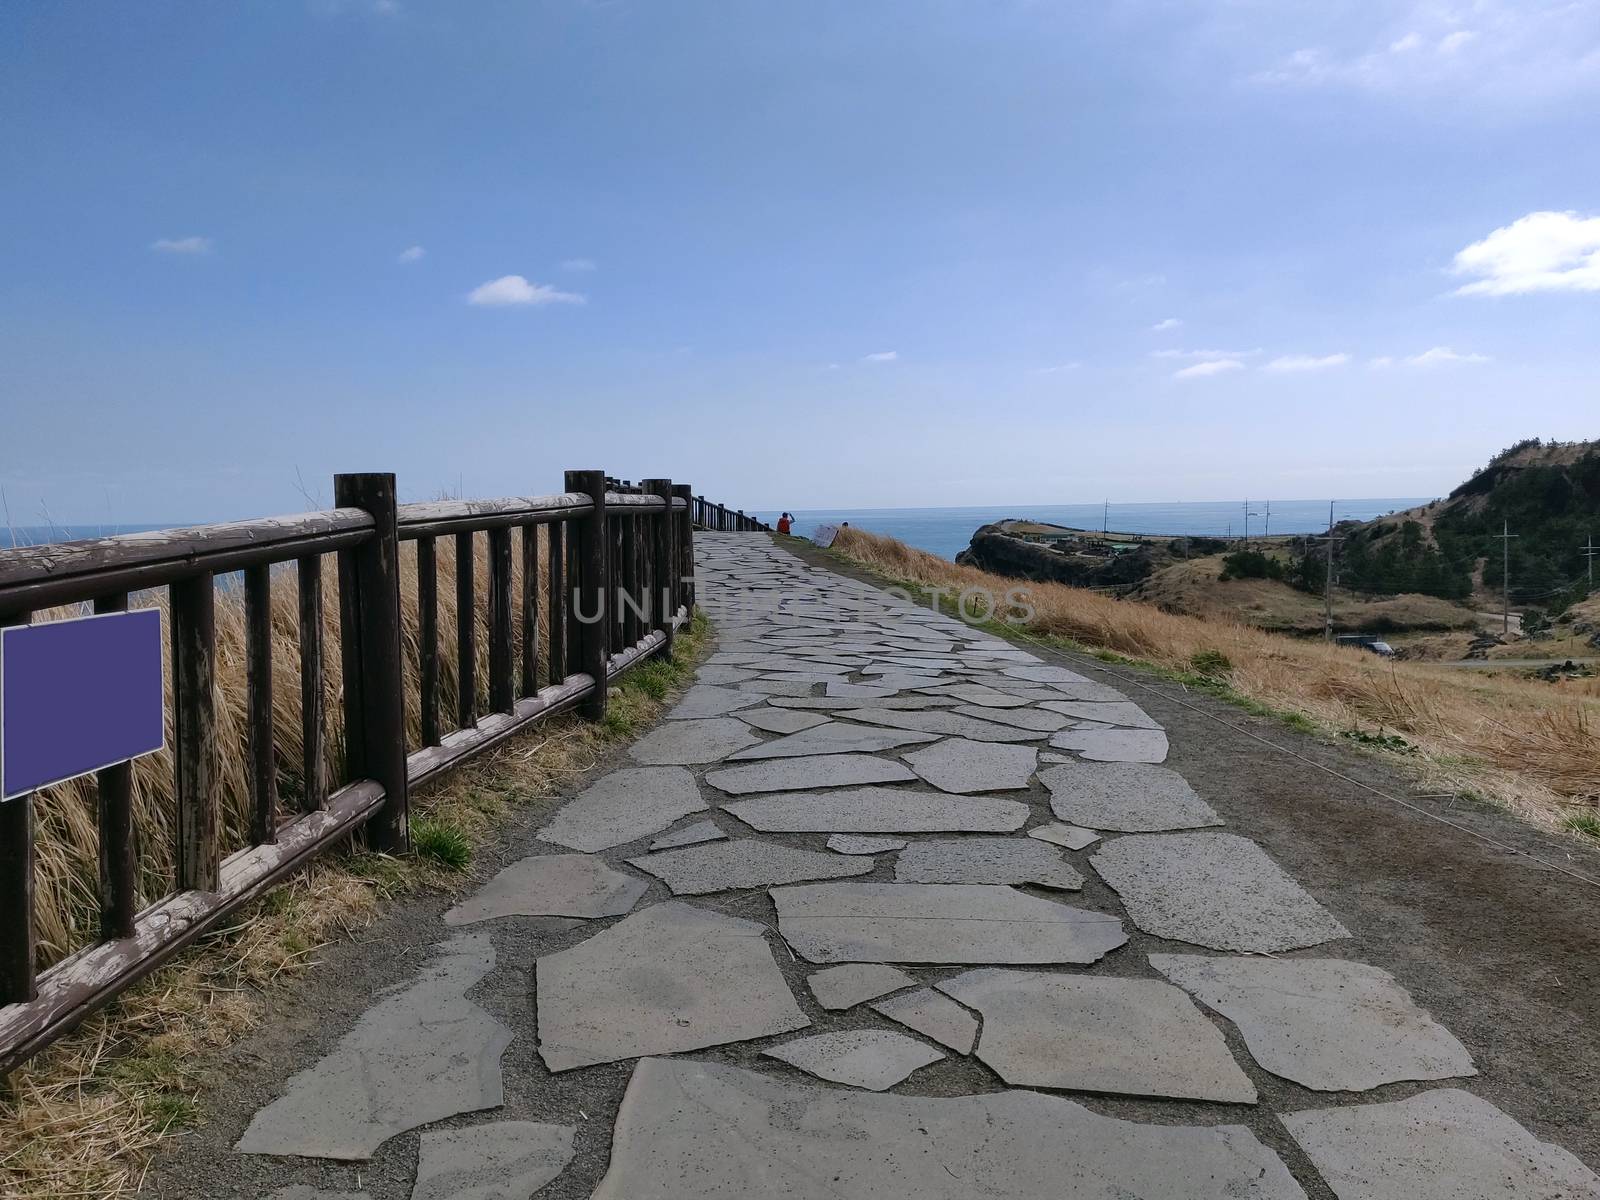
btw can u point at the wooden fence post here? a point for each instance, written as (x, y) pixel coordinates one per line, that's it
(194, 722)
(118, 870)
(663, 560)
(16, 886)
(684, 545)
(369, 586)
(590, 562)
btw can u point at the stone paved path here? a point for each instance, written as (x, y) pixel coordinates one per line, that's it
(974, 994)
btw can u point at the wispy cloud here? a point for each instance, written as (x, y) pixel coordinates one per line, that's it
(1541, 252)
(1290, 363)
(579, 264)
(511, 290)
(1444, 356)
(882, 356)
(1204, 355)
(1169, 323)
(411, 254)
(183, 245)
(1058, 369)
(1214, 366)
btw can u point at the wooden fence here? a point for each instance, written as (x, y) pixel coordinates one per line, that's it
(618, 580)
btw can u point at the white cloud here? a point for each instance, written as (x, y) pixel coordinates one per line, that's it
(882, 356)
(410, 254)
(1406, 44)
(183, 245)
(1204, 355)
(1057, 369)
(1307, 362)
(1444, 356)
(1541, 252)
(515, 290)
(1215, 366)
(1452, 43)
(1163, 326)
(579, 264)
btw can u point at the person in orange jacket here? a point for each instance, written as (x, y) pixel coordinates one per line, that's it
(785, 523)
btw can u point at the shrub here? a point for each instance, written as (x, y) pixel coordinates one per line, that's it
(1213, 664)
(1250, 564)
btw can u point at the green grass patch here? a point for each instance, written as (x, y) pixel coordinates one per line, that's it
(441, 842)
(1586, 823)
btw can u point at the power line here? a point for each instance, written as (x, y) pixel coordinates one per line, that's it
(1505, 535)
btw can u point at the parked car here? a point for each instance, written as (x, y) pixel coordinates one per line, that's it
(1368, 642)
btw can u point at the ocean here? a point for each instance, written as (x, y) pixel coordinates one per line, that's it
(947, 531)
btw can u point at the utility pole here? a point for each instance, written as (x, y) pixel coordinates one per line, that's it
(1589, 552)
(1327, 589)
(1105, 517)
(1505, 535)
(1247, 523)
(1266, 530)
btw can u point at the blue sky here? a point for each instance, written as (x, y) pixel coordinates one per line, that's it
(878, 252)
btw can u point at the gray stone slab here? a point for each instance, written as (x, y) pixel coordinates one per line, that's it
(1126, 797)
(422, 1054)
(841, 702)
(1113, 712)
(879, 810)
(980, 695)
(781, 720)
(817, 674)
(874, 1059)
(849, 843)
(1098, 692)
(1044, 674)
(1007, 860)
(670, 978)
(745, 863)
(858, 691)
(962, 766)
(628, 804)
(836, 737)
(1035, 719)
(300, 1191)
(944, 724)
(699, 1131)
(713, 672)
(1213, 889)
(1441, 1145)
(505, 1160)
(708, 700)
(1114, 745)
(1133, 1037)
(1325, 1023)
(933, 1015)
(844, 987)
(1069, 836)
(805, 773)
(553, 885)
(684, 743)
(776, 687)
(689, 835)
(938, 923)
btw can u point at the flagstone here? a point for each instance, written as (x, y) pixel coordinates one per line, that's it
(1327, 1024)
(878, 810)
(981, 695)
(1217, 890)
(1086, 690)
(1137, 1037)
(1035, 719)
(505, 1160)
(938, 923)
(744, 863)
(715, 672)
(1008, 860)
(836, 737)
(1042, 673)
(1442, 1145)
(962, 766)
(1126, 797)
(423, 1053)
(781, 720)
(1114, 745)
(846, 986)
(874, 1059)
(628, 804)
(708, 700)
(847, 843)
(819, 771)
(689, 835)
(685, 743)
(933, 1015)
(843, 702)
(552, 885)
(1069, 836)
(673, 977)
(943, 723)
(699, 1131)
(1114, 712)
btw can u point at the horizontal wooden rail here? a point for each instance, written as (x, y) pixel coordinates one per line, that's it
(614, 564)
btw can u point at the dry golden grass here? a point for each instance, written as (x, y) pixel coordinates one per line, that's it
(1532, 746)
(81, 1118)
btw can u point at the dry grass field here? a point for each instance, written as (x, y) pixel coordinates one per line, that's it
(1531, 746)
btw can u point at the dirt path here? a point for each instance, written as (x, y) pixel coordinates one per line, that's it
(966, 742)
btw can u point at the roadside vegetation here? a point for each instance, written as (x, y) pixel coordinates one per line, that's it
(1531, 746)
(81, 1118)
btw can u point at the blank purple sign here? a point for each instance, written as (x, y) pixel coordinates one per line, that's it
(76, 696)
